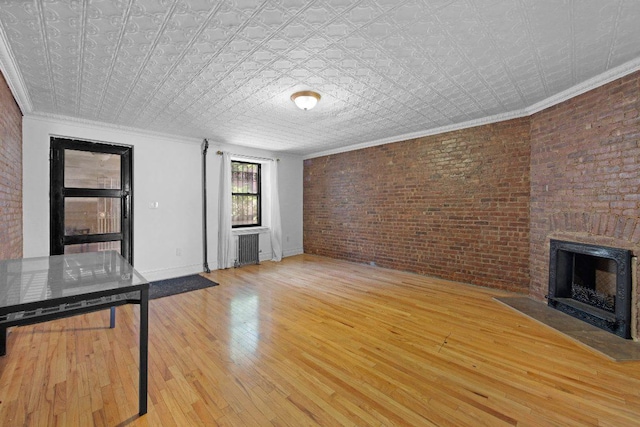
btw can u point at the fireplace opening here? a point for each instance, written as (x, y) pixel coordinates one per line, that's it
(592, 283)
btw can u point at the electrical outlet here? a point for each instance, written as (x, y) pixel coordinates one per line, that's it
(178, 252)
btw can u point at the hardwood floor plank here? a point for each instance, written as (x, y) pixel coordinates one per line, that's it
(314, 341)
(205, 413)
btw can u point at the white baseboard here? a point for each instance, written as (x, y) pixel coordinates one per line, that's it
(267, 256)
(264, 256)
(293, 252)
(170, 273)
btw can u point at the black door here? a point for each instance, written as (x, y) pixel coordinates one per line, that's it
(91, 197)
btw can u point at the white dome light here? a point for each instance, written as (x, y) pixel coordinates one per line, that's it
(305, 100)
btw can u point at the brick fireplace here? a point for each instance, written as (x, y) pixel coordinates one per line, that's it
(585, 177)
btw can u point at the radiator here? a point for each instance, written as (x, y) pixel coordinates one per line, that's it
(248, 250)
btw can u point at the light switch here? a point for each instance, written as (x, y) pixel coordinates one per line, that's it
(153, 205)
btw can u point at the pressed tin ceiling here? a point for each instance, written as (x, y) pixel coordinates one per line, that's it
(386, 69)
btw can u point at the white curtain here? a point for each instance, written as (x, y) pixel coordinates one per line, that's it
(226, 249)
(276, 225)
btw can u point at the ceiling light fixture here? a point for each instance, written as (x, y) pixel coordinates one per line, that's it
(306, 99)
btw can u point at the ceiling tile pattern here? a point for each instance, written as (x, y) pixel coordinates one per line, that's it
(225, 70)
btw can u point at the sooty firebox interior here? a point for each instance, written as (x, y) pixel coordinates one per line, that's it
(592, 283)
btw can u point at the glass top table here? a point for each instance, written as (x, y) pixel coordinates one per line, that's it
(34, 290)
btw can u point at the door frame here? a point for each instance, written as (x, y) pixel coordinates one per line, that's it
(58, 192)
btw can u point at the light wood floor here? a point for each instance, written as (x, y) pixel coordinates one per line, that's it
(314, 341)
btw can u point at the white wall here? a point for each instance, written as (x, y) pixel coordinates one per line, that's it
(167, 170)
(291, 185)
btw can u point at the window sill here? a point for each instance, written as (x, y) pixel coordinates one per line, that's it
(249, 230)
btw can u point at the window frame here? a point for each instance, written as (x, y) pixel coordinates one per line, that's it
(258, 195)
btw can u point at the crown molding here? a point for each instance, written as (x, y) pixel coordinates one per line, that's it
(590, 84)
(421, 134)
(12, 75)
(593, 83)
(74, 121)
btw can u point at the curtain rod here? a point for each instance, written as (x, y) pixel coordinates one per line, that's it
(220, 153)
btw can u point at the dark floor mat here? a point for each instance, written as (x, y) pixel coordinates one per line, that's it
(178, 285)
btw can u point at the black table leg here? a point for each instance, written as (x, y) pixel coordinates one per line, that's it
(112, 320)
(3, 340)
(144, 349)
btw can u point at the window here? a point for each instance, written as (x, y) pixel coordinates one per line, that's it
(245, 194)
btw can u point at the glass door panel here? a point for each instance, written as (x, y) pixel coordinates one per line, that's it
(89, 169)
(93, 247)
(91, 215)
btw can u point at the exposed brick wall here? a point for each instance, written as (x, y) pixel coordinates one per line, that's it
(585, 173)
(454, 205)
(10, 174)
